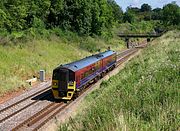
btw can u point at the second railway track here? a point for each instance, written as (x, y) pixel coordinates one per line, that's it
(16, 111)
(21, 100)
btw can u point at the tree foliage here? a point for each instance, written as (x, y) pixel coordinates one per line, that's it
(157, 14)
(85, 17)
(81, 16)
(145, 8)
(168, 16)
(171, 14)
(116, 10)
(129, 17)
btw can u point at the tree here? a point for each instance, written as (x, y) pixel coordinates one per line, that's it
(56, 7)
(74, 15)
(171, 14)
(81, 16)
(128, 17)
(3, 18)
(135, 10)
(145, 8)
(157, 14)
(116, 10)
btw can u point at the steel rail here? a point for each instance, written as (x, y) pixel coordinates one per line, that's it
(16, 103)
(55, 112)
(123, 59)
(123, 52)
(32, 117)
(30, 104)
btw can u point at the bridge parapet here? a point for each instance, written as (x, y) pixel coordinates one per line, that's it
(140, 35)
(148, 37)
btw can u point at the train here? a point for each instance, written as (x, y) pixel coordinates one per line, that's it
(70, 79)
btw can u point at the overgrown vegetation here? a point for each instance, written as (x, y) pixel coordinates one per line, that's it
(25, 19)
(137, 27)
(168, 17)
(84, 17)
(143, 96)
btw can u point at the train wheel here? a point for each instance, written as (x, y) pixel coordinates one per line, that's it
(76, 94)
(98, 77)
(95, 79)
(104, 73)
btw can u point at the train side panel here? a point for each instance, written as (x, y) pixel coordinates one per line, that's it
(108, 62)
(87, 74)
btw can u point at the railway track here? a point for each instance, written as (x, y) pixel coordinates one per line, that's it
(42, 116)
(12, 108)
(30, 96)
(37, 120)
(123, 52)
(20, 109)
(126, 54)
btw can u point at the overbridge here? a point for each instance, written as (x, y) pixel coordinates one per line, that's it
(140, 35)
(148, 36)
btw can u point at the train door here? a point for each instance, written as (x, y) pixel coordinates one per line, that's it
(101, 63)
(77, 79)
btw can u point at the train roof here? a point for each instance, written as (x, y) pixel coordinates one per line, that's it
(77, 65)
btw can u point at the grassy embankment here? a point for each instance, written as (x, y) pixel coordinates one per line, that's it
(23, 60)
(143, 96)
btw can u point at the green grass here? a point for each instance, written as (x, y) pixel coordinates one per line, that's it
(21, 61)
(143, 96)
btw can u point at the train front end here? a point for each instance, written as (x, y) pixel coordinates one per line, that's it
(63, 83)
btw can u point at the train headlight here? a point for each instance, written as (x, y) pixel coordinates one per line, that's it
(71, 83)
(54, 83)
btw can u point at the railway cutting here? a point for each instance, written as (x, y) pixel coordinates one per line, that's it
(38, 107)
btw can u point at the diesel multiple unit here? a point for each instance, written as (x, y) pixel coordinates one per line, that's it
(69, 79)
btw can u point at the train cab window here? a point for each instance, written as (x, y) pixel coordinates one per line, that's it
(56, 75)
(63, 75)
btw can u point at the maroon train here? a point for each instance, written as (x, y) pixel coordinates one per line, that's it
(69, 79)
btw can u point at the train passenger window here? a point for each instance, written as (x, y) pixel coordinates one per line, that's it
(93, 69)
(83, 75)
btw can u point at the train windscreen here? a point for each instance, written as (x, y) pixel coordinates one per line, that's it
(56, 75)
(63, 75)
(63, 79)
